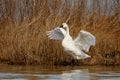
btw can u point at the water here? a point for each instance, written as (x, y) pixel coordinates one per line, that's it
(9, 72)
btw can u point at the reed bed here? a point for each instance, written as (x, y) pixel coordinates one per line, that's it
(23, 26)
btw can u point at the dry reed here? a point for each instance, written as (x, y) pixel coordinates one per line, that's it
(23, 26)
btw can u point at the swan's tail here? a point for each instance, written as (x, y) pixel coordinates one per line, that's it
(83, 56)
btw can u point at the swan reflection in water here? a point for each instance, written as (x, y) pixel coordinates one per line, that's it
(79, 74)
(8, 72)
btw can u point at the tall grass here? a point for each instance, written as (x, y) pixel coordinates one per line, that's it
(23, 26)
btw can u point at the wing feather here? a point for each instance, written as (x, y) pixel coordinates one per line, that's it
(84, 40)
(56, 33)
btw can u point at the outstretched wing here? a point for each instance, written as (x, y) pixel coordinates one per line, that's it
(84, 40)
(57, 33)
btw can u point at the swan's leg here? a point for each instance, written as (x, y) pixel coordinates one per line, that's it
(74, 60)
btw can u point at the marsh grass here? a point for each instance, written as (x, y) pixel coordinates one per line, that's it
(23, 26)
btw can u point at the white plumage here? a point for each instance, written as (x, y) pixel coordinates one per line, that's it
(76, 47)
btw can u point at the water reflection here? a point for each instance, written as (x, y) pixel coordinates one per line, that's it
(76, 75)
(59, 73)
(65, 75)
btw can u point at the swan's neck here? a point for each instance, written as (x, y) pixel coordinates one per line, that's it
(67, 34)
(67, 30)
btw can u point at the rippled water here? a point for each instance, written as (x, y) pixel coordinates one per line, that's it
(8, 72)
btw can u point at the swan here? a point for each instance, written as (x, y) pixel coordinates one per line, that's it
(77, 47)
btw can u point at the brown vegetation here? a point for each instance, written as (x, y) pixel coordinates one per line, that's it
(23, 26)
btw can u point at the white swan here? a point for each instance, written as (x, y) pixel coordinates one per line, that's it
(76, 47)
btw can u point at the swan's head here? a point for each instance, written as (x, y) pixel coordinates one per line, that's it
(64, 26)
